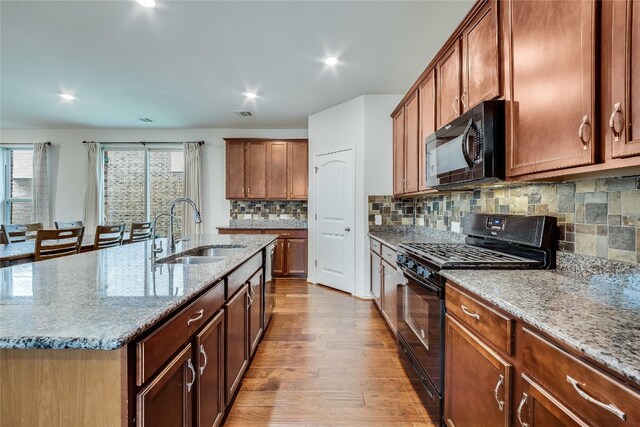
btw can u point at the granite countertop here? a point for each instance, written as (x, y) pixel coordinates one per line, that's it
(393, 236)
(293, 224)
(104, 299)
(599, 316)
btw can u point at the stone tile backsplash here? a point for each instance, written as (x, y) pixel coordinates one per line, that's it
(268, 209)
(597, 217)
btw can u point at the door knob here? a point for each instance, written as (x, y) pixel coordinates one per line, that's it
(347, 229)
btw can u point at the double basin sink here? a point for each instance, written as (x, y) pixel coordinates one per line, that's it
(203, 255)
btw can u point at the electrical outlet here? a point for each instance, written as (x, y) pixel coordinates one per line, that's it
(455, 226)
(284, 216)
(378, 220)
(247, 216)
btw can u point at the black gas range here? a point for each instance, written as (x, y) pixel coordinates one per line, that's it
(492, 242)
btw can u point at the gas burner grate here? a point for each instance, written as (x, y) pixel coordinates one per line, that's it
(453, 254)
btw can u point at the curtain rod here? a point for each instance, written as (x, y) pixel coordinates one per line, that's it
(21, 143)
(141, 142)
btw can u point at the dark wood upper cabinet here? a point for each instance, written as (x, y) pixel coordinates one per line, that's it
(298, 170)
(236, 340)
(550, 57)
(277, 180)
(235, 186)
(427, 96)
(412, 149)
(480, 73)
(398, 153)
(210, 355)
(623, 119)
(256, 175)
(255, 311)
(167, 400)
(477, 381)
(449, 81)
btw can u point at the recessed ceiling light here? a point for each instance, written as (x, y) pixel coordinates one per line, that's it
(332, 60)
(67, 96)
(250, 95)
(148, 3)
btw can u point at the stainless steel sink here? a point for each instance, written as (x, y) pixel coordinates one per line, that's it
(195, 260)
(214, 252)
(204, 255)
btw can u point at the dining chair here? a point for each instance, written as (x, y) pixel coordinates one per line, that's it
(140, 231)
(108, 236)
(20, 232)
(68, 224)
(56, 243)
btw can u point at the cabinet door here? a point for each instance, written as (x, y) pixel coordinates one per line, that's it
(390, 281)
(210, 349)
(234, 164)
(168, 399)
(398, 153)
(279, 257)
(256, 176)
(376, 278)
(256, 311)
(477, 380)
(427, 125)
(236, 340)
(412, 154)
(296, 252)
(551, 55)
(480, 75)
(449, 85)
(298, 170)
(277, 170)
(624, 122)
(538, 408)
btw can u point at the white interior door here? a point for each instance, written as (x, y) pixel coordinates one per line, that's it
(335, 208)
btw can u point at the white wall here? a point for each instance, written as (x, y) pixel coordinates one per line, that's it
(364, 124)
(68, 161)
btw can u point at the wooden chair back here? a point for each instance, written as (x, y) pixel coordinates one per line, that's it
(20, 232)
(56, 243)
(60, 225)
(108, 236)
(140, 231)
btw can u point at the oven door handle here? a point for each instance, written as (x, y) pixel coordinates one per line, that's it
(420, 281)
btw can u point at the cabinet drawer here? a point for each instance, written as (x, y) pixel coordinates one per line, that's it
(243, 274)
(598, 398)
(389, 255)
(288, 234)
(376, 246)
(487, 322)
(156, 349)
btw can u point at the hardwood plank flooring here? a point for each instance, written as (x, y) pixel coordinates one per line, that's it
(327, 359)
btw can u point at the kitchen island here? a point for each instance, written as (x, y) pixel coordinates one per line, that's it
(104, 337)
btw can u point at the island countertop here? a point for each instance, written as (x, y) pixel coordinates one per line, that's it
(103, 299)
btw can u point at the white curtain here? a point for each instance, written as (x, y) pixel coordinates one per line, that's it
(192, 186)
(92, 198)
(40, 185)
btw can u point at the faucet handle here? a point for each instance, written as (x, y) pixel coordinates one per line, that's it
(157, 249)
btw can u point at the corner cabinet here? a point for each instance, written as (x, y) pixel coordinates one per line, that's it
(262, 169)
(398, 153)
(550, 57)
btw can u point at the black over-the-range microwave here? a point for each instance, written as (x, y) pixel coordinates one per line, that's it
(468, 151)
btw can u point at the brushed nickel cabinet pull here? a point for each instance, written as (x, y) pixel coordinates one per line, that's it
(464, 95)
(197, 317)
(607, 407)
(466, 311)
(193, 375)
(612, 124)
(495, 393)
(204, 354)
(525, 396)
(585, 124)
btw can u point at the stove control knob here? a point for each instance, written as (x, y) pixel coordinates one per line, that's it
(401, 259)
(411, 265)
(426, 273)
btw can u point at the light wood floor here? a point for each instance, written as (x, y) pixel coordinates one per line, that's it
(327, 359)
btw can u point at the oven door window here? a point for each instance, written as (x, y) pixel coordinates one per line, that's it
(416, 314)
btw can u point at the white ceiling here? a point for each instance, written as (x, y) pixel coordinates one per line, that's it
(186, 64)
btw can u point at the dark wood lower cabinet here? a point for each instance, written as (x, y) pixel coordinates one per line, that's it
(477, 381)
(279, 258)
(255, 311)
(210, 355)
(539, 408)
(236, 342)
(296, 257)
(168, 399)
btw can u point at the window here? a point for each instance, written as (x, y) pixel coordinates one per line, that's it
(139, 184)
(18, 176)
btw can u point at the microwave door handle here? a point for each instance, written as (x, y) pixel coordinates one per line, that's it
(465, 137)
